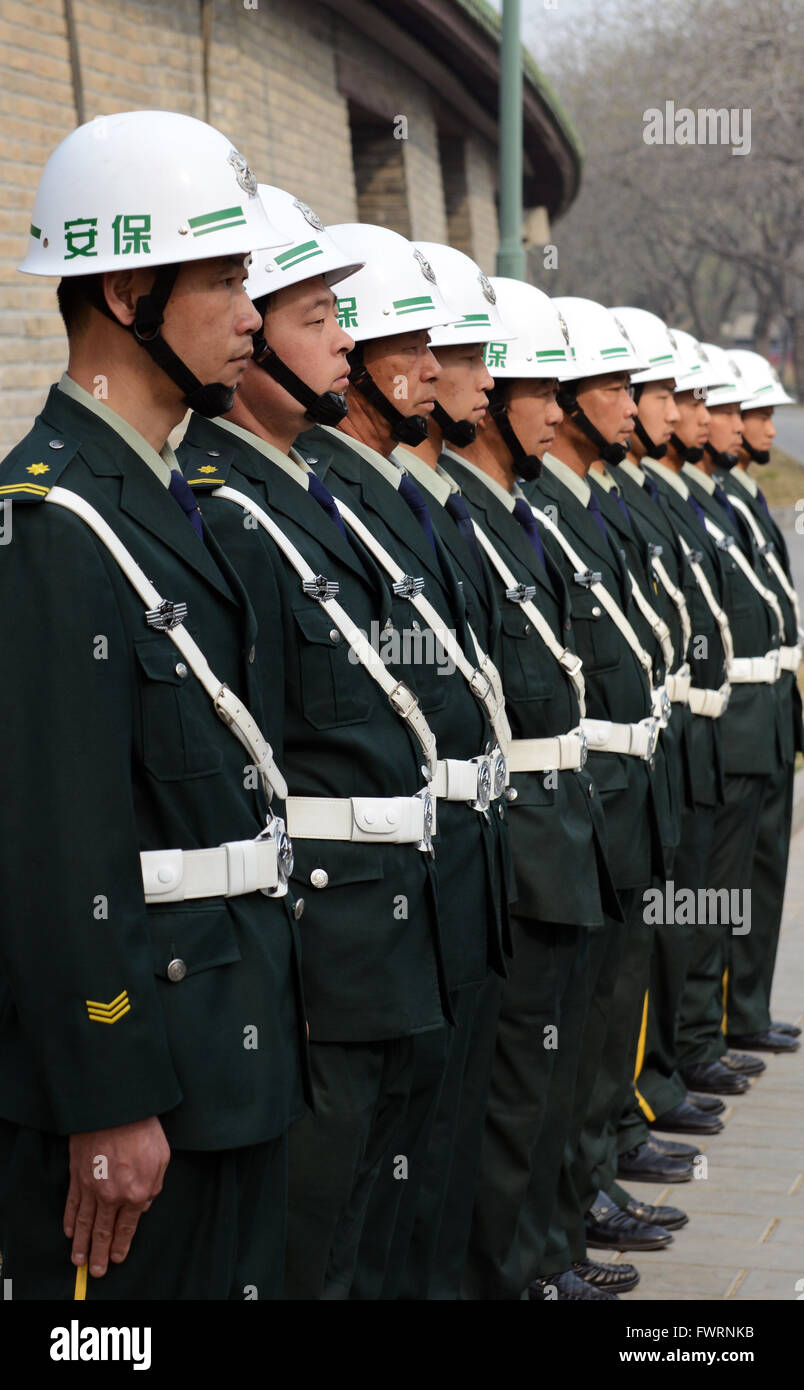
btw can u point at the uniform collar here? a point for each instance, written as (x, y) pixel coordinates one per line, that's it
(291, 463)
(392, 472)
(632, 471)
(434, 480)
(604, 479)
(508, 499)
(159, 463)
(577, 486)
(702, 479)
(673, 479)
(745, 480)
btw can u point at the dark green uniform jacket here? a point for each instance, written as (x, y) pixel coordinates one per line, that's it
(110, 748)
(558, 831)
(467, 845)
(616, 686)
(371, 958)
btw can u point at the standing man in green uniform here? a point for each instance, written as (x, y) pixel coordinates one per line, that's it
(752, 957)
(373, 972)
(152, 1021)
(391, 395)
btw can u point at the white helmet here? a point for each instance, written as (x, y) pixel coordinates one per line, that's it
(144, 188)
(652, 340)
(598, 342)
(540, 347)
(696, 372)
(395, 292)
(730, 390)
(760, 381)
(311, 251)
(469, 294)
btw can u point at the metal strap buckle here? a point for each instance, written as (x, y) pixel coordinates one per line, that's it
(500, 778)
(480, 685)
(584, 747)
(570, 662)
(168, 615)
(484, 783)
(321, 588)
(403, 699)
(409, 586)
(587, 577)
(767, 548)
(695, 557)
(653, 739)
(724, 542)
(521, 593)
(275, 830)
(655, 551)
(426, 842)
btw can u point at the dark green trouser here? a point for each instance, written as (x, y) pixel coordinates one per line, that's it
(216, 1230)
(659, 1084)
(577, 1186)
(751, 958)
(530, 1103)
(700, 1033)
(362, 1092)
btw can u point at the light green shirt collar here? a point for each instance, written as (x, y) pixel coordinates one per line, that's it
(159, 463)
(438, 483)
(633, 471)
(604, 480)
(578, 486)
(391, 471)
(703, 479)
(675, 480)
(745, 480)
(291, 463)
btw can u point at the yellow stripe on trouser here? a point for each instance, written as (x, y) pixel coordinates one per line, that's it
(640, 1058)
(724, 1023)
(80, 1284)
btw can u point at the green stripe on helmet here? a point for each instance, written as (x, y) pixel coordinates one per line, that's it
(36, 231)
(302, 252)
(613, 352)
(216, 221)
(415, 305)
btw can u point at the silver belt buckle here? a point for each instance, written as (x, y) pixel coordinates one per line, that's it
(426, 842)
(666, 705)
(653, 739)
(484, 776)
(500, 778)
(584, 747)
(275, 830)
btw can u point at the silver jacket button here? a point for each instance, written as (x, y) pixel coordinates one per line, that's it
(181, 669)
(319, 878)
(176, 971)
(56, 444)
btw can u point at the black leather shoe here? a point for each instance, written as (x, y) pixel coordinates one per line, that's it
(713, 1076)
(791, 1030)
(744, 1062)
(614, 1278)
(610, 1228)
(674, 1148)
(713, 1105)
(648, 1163)
(769, 1041)
(669, 1217)
(569, 1288)
(687, 1119)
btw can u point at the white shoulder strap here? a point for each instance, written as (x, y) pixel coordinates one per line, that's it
(676, 596)
(712, 604)
(484, 679)
(602, 595)
(768, 554)
(657, 624)
(400, 696)
(728, 543)
(168, 617)
(569, 662)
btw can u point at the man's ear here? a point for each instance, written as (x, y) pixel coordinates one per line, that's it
(122, 289)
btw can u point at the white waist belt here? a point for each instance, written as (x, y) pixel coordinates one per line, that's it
(678, 687)
(478, 781)
(755, 670)
(394, 820)
(790, 658)
(240, 866)
(562, 753)
(709, 703)
(637, 740)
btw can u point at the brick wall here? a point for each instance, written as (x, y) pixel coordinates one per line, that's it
(276, 88)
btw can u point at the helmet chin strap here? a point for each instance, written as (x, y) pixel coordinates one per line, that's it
(652, 449)
(405, 429)
(458, 432)
(686, 452)
(608, 452)
(328, 408)
(211, 399)
(724, 461)
(527, 466)
(756, 455)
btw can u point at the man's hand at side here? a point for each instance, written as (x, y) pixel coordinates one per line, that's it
(114, 1176)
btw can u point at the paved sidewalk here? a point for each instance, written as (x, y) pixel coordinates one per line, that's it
(745, 1238)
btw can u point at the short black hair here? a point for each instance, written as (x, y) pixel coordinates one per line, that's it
(75, 294)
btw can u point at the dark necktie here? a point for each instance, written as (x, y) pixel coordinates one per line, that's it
(326, 501)
(620, 503)
(459, 512)
(651, 488)
(183, 493)
(593, 506)
(698, 510)
(417, 504)
(721, 497)
(527, 521)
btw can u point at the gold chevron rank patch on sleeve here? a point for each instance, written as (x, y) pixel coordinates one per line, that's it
(108, 1013)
